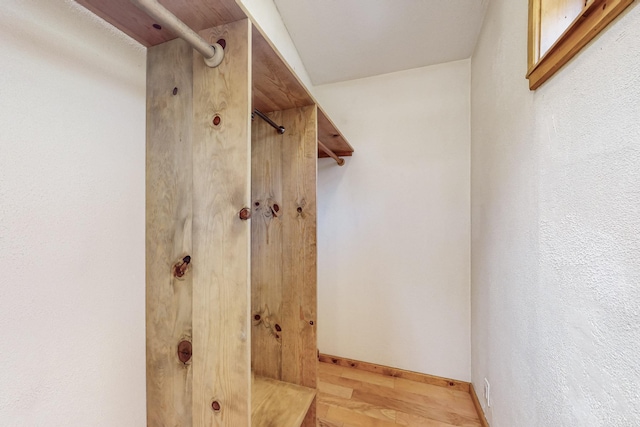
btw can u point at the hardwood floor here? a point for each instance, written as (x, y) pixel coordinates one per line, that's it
(351, 397)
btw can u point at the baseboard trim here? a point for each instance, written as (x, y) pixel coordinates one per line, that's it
(476, 403)
(395, 372)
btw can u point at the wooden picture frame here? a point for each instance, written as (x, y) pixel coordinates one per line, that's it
(580, 21)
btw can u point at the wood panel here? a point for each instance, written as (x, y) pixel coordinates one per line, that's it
(395, 372)
(411, 403)
(197, 14)
(277, 403)
(275, 86)
(221, 180)
(311, 419)
(299, 356)
(367, 409)
(168, 231)
(283, 251)
(266, 249)
(329, 134)
(355, 397)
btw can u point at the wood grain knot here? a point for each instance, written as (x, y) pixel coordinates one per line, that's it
(157, 26)
(245, 214)
(276, 208)
(311, 322)
(175, 91)
(215, 405)
(222, 42)
(216, 120)
(184, 351)
(257, 317)
(181, 267)
(278, 328)
(299, 209)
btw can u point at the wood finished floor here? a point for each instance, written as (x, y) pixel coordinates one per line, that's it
(351, 397)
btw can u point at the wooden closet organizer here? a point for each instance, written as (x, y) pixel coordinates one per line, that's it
(230, 223)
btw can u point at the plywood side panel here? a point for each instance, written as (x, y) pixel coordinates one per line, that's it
(266, 248)
(221, 180)
(299, 147)
(299, 346)
(168, 231)
(284, 233)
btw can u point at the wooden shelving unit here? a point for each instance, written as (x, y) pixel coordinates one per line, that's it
(230, 223)
(275, 86)
(277, 403)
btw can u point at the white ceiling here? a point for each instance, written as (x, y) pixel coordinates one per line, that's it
(348, 39)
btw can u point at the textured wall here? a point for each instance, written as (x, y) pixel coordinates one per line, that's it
(556, 228)
(72, 113)
(393, 223)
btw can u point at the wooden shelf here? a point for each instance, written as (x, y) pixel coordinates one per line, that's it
(275, 86)
(330, 136)
(276, 403)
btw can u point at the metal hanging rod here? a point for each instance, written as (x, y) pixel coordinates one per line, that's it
(273, 124)
(330, 153)
(213, 54)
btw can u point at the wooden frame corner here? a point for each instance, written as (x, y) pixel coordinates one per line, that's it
(595, 16)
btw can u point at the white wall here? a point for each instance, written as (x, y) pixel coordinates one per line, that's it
(556, 228)
(72, 114)
(393, 223)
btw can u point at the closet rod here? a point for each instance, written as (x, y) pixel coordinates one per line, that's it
(330, 153)
(213, 54)
(273, 124)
